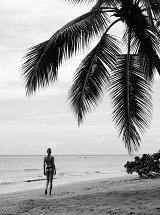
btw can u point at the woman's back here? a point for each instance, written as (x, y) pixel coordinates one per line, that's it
(49, 160)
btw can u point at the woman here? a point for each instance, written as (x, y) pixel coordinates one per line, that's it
(49, 170)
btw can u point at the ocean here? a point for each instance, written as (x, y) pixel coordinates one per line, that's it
(26, 172)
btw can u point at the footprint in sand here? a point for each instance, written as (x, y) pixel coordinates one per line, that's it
(88, 188)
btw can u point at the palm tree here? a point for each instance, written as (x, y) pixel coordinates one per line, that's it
(127, 75)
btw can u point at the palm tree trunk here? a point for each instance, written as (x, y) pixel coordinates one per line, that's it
(128, 85)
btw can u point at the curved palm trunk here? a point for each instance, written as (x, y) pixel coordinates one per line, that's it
(127, 86)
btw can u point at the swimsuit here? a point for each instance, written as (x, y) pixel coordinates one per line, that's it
(49, 167)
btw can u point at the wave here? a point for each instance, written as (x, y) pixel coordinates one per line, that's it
(7, 183)
(88, 173)
(31, 170)
(88, 157)
(20, 181)
(36, 179)
(18, 170)
(61, 176)
(10, 170)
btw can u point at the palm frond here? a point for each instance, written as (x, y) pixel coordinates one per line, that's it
(34, 75)
(43, 60)
(148, 45)
(92, 75)
(146, 63)
(80, 1)
(153, 8)
(146, 42)
(104, 3)
(97, 2)
(139, 105)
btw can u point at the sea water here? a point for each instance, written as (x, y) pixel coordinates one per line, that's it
(26, 172)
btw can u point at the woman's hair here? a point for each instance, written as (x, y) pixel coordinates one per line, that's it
(49, 150)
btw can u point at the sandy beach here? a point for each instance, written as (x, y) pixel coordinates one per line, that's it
(123, 195)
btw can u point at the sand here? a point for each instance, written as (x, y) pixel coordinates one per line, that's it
(123, 195)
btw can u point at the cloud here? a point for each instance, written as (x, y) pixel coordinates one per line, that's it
(102, 139)
(52, 144)
(158, 141)
(13, 89)
(24, 24)
(32, 21)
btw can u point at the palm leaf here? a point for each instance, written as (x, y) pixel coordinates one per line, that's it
(148, 45)
(104, 3)
(144, 41)
(43, 60)
(153, 7)
(80, 1)
(137, 120)
(92, 75)
(97, 2)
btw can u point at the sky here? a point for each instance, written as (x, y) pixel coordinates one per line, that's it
(31, 125)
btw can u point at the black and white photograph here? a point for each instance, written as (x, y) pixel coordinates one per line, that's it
(80, 107)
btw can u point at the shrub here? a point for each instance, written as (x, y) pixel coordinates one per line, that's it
(147, 166)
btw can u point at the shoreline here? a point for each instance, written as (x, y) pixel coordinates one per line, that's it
(71, 184)
(117, 195)
(40, 184)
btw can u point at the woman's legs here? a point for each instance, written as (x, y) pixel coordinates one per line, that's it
(50, 184)
(47, 182)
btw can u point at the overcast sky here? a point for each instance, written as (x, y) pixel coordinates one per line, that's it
(31, 125)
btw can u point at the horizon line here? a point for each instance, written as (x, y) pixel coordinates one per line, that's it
(69, 154)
